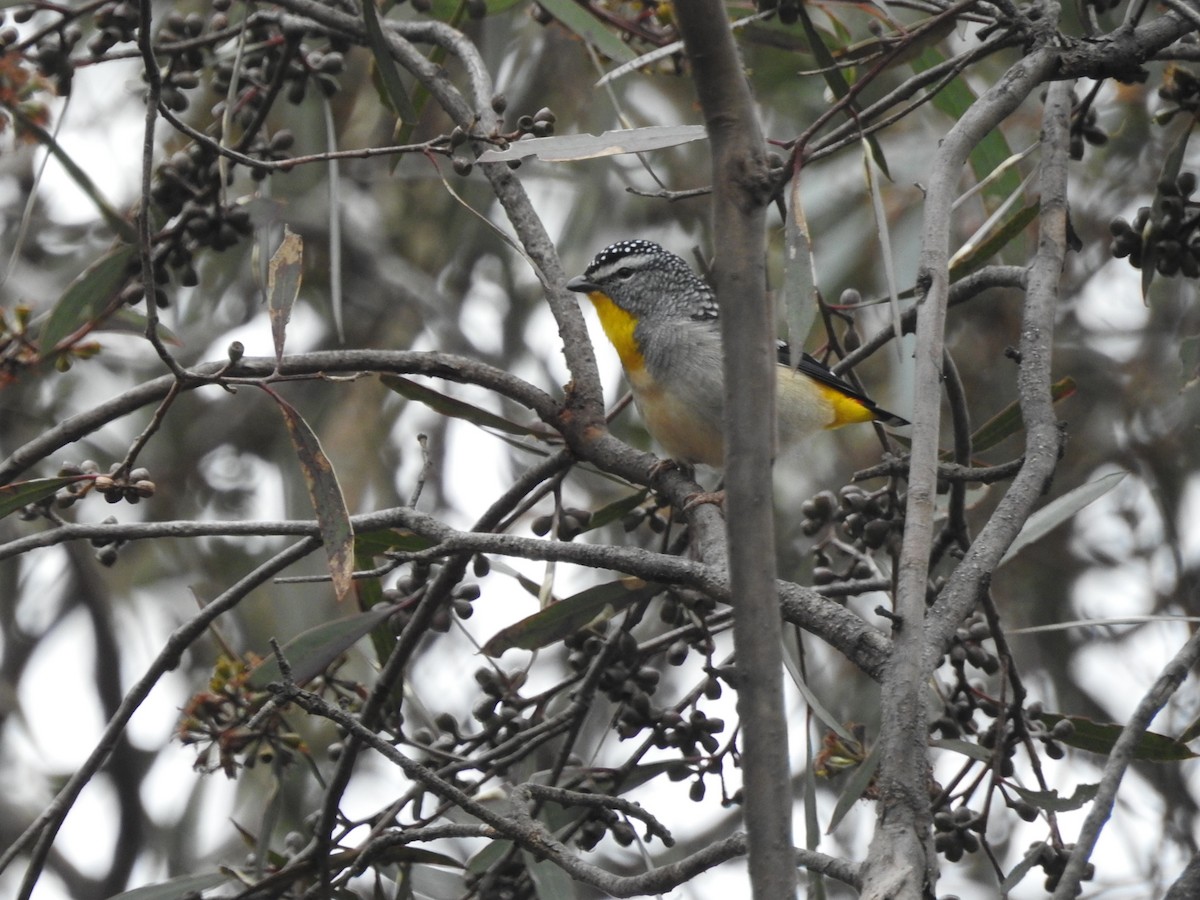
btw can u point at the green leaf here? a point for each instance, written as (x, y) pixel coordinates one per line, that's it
(1052, 802)
(549, 881)
(491, 854)
(566, 617)
(385, 67)
(333, 519)
(1060, 510)
(966, 748)
(449, 406)
(369, 591)
(421, 856)
(20, 494)
(574, 147)
(284, 275)
(1101, 737)
(954, 99)
(799, 274)
(1021, 869)
(837, 81)
(117, 222)
(1003, 424)
(1191, 732)
(370, 544)
(126, 321)
(978, 257)
(604, 780)
(87, 298)
(617, 510)
(856, 785)
(576, 18)
(176, 888)
(311, 651)
(1007, 422)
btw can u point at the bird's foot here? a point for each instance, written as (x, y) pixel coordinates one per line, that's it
(717, 498)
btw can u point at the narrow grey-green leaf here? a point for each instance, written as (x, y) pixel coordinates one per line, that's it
(1101, 737)
(1060, 510)
(791, 662)
(571, 147)
(549, 881)
(966, 748)
(176, 888)
(491, 854)
(126, 321)
(449, 406)
(311, 651)
(284, 275)
(1020, 870)
(333, 519)
(799, 274)
(117, 222)
(837, 81)
(87, 298)
(566, 617)
(618, 509)
(21, 493)
(576, 18)
(385, 66)
(854, 788)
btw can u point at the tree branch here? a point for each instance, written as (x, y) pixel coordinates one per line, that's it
(741, 190)
(42, 831)
(1172, 676)
(1043, 440)
(901, 863)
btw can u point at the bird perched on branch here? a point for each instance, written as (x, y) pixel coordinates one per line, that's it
(662, 319)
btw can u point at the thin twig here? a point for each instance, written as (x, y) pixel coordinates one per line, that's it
(1168, 681)
(43, 830)
(145, 241)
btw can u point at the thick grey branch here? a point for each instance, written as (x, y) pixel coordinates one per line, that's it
(901, 863)
(334, 362)
(1042, 437)
(862, 644)
(741, 189)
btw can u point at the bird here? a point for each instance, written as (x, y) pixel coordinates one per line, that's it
(662, 319)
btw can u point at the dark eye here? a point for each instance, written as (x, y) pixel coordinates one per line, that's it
(624, 273)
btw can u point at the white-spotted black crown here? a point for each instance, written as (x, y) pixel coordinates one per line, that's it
(645, 278)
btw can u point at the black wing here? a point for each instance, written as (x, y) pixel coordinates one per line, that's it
(820, 373)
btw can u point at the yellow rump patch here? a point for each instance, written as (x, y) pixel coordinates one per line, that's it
(619, 326)
(846, 410)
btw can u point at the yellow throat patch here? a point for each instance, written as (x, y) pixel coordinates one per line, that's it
(618, 326)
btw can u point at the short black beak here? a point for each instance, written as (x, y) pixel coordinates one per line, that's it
(582, 285)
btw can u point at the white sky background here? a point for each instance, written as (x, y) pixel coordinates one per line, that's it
(102, 131)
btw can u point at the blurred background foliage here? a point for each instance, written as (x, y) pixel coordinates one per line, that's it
(424, 268)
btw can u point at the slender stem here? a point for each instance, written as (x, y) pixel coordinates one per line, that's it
(741, 191)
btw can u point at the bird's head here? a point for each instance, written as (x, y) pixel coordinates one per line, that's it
(646, 281)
